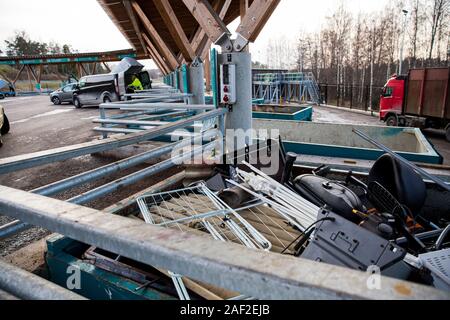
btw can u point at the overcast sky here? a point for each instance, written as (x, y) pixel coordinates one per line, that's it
(84, 25)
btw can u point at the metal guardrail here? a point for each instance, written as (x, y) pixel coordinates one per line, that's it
(45, 157)
(24, 285)
(254, 273)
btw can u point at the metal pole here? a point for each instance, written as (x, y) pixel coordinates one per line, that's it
(402, 46)
(372, 58)
(138, 176)
(241, 116)
(156, 106)
(436, 180)
(104, 171)
(27, 286)
(196, 83)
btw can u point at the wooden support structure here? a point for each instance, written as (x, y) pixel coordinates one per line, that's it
(165, 51)
(94, 68)
(205, 43)
(132, 17)
(208, 19)
(18, 74)
(106, 66)
(256, 18)
(175, 29)
(29, 77)
(162, 65)
(4, 76)
(180, 31)
(85, 64)
(243, 8)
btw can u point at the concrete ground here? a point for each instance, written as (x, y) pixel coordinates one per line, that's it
(36, 125)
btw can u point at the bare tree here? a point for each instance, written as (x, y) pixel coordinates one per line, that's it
(439, 11)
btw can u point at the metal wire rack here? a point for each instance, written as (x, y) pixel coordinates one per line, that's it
(278, 230)
(198, 209)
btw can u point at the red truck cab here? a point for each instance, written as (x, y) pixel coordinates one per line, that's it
(392, 98)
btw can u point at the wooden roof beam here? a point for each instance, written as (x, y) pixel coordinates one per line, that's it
(243, 7)
(210, 22)
(205, 44)
(159, 42)
(176, 30)
(155, 54)
(158, 64)
(200, 33)
(132, 17)
(256, 18)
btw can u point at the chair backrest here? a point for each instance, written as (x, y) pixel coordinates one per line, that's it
(402, 182)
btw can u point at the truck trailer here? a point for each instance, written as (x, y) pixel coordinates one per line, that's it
(419, 99)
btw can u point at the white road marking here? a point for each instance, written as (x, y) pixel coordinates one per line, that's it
(16, 99)
(46, 114)
(90, 118)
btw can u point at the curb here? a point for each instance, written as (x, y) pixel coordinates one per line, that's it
(367, 113)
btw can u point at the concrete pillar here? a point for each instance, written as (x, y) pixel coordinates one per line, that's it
(240, 118)
(196, 78)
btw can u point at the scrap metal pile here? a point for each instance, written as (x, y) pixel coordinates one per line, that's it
(376, 227)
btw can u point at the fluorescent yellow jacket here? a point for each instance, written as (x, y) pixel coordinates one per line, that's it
(137, 84)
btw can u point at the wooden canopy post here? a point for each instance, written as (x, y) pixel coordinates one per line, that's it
(29, 77)
(18, 74)
(84, 69)
(94, 67)
(106, 67)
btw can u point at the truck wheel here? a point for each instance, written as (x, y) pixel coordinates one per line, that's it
(77, 103)
(106, 99)
(5, 128)
(392, 121)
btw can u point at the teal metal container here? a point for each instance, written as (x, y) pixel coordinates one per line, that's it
(339, 141)
(272, 112)
(63, 257)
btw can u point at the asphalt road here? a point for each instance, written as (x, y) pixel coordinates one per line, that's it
(36, 124)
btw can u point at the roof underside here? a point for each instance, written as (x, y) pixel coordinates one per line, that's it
(118, 13)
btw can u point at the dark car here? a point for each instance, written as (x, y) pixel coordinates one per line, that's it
(64, 94)
(97, 89)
